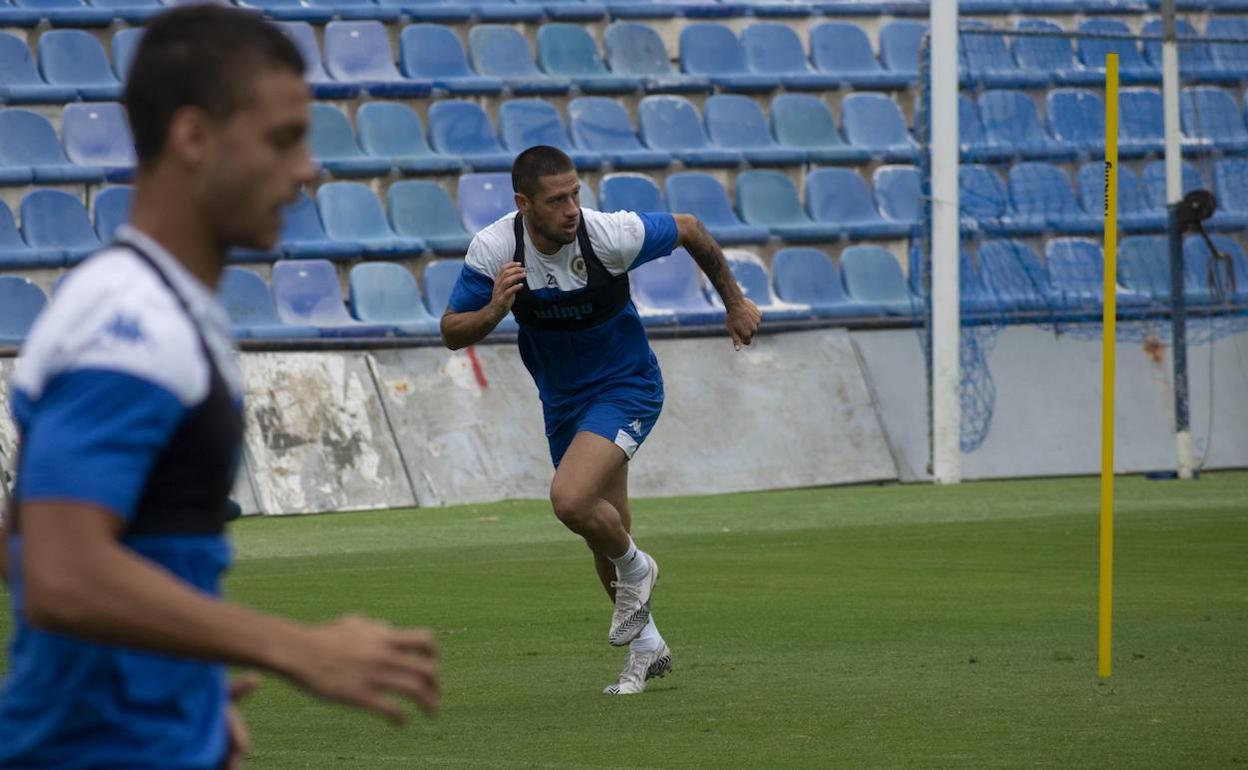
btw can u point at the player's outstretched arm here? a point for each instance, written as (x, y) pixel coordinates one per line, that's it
(79, 580)
(742, 315)
(459, 330)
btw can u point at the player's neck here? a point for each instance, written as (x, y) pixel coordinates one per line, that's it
(167, 215)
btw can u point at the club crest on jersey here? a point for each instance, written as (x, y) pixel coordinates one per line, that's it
(578, 266)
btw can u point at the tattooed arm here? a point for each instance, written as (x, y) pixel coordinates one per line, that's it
(742, 315)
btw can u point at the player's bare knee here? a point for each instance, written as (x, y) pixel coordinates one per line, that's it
(570, 505)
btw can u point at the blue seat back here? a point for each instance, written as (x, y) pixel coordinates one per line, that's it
(839, 195)
(568, 50)
(1013, 273)
(671, 123)
(807, 276)
(126, 44)
(422, 208)
(10, 238)
(525, 123)
(1155, 181)
(1211, 113)
(501, 51)
(1230, 184)
(432, 51)
(247, 298)
(1043, 54)
(301, 222)
(898, 193)
(459, 127)
(439, 279)
(631, 192)
(307, 291)
(635, 49)
(391, 130)
(112, 210)
(1228, 278)
(700, 194)
(841, 48)
(1192, 55)
(383, 292)
(73, 57)
(873, 120)
(1093, 50)
(1077, 116)
(984, 54)
(1140, 114)
(672, 282)
(351, 212)
(304, 38)
(873, 275)
(981, 193)
(331, 135)
(751, 275)
(483, 198)
(359, 52)
(711, 49)
(1041, 190)
(970, 126)
(56, 220)
(737, 121)
(1076, 266)
(773, 49)
(21, 301)
(803, 120)
(17, 65)
(601, 124)
(1231, 57)
(1144, 265)
(768, 198)
(97, 134)
(28, 139)
(899, 45)
(1131, 197)
(1010, 119)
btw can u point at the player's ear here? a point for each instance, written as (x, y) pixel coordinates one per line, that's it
(522, 203)
(188, 135)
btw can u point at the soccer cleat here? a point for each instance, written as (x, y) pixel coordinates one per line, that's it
(641, 668)
(632, 606)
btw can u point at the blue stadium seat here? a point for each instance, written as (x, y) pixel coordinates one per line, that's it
(1141, 123)
(1076, 277)
(671, 124)
(303, 236)
(839, 197)
(632, 192)
(872, 276)
(482, 199)
(873, 122)
(568, 51)
(307, 293)
(75, 59)
(290, 11)
(1212, 120)
(502, 52)
(1135, 215)
(899, 196)
(1214, 282)
(775, 50)
(570, 10)
(1195, 59)
(1230, 185)
(505, 11)
(14, 253)
(124, 46)
(359, 52)
(601, 125)
(393, 131)
(738, 123)
(56, 224)
(974, 297)
(1078, 120)
(1092, 51)
(809, 277)
(785, 9)
(804, 121)
(462, 129)
(751, 275)
(841, 50)
(445, 11)
(972, 141)
(693, 192)
(249, 304)
(112, 210)
(362, 10)
(28, 142)
(1011, 122)
(304, 37)
(439, 280)
(64, 13)
(423, 209)
(641, 9)
(1192, 179)
(714, 52)
(1228, 57)
(334, 146)
(636, 50)
(20, 82)
(351, 212)
(674, 284)
(1144, 265)
(982, 200)
(384, 293)
(525, 123)
(987, 62)
(899, 47)
(769, 199)
(21, 301)
(433, 52)
(1014, 275)
(1052, 57)
(97, 135)
(1041, 201)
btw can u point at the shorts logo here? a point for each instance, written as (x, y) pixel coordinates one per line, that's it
(635, 425)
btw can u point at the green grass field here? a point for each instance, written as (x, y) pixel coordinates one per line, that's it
(863, 627)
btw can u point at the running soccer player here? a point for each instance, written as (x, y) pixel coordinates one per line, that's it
(128, 404)
(563, 272)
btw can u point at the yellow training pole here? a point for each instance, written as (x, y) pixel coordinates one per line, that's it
(1109, 326)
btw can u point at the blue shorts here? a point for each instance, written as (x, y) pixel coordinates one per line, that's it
(623, 416)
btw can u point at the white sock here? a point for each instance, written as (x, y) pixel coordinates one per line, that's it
(648, 640)
(633, 565)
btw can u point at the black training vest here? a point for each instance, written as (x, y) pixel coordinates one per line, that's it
(188, 488)
(603, 297)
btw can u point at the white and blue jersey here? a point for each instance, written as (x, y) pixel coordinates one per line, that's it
(605, 378)
(127, 397)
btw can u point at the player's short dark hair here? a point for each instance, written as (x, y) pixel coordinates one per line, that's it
(535, 163)
(201, 55)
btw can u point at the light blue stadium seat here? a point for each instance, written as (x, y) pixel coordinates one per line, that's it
(1144, 266)
(335, 148)
(986, 61)
(803, 121)
(1132, 68)
(873, 122)
(433, 52)
(776, 50)
(1230, 58)
(602, 125)
(1077, 117)
(359, 52)
(482, 199)
(899, 196)
(751, 275)
(65, 13)
(307, 293)
(769, 199)
(362, 10)
(351, 212)
(97, 135)
(1011, 122)
(1140, 126)
(28, 143)
(632, 192)
(249, 304)
(982, 200)
(56, 224)
(641, 9)
(873, 276)
(899, 47)
(636, 50)
(75, 59)
(1052, 57)
(304, 37)
(1041, 201)
(809, 277)
(392, 131)
(15, 254)
(526, 123)
(1212, 120)
(674, 284)
(124, 46)
(1230, 185)
(700, 194)
(112, 210)
(384, 293)
(1135, 214)
(423, 209)
(21, 301)
(1195, 59)
(502, 52)
(505, 11)
(784, 9)
(1076, 277)
(839, 197)
(972, 140)
(439, 280)
(445, 11)
(841, 50)
(20, 81)
(737, 123)
(303, 236)
(1214, 282)
(974, 297)
(290, 11)
(714, 52)
(1014, 274)
(570, 10)
(1193, 179)
(671, 124)
(568, 51)
(461, 129)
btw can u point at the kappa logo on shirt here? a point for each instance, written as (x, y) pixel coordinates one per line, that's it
(125, 328)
